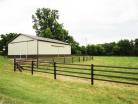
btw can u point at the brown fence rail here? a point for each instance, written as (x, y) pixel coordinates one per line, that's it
(126, 75)
(66, 59)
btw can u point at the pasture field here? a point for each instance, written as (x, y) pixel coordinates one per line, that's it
(23, 88)
(115, 61)
(105, 73)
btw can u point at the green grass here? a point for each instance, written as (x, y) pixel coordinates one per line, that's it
(115, 61)
(23, 88)
(107, 61)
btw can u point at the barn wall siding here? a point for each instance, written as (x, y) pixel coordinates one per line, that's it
(23, 48)
(53, 48)
(32, 47)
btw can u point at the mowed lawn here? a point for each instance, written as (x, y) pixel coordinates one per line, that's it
(23, 88)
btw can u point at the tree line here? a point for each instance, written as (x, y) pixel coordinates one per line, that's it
(121, 48)
(46, 24)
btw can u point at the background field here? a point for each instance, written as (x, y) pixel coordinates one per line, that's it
(115, 61)
(23, 88)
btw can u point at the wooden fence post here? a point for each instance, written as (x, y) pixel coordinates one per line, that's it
(55, 77)
(92, 57)
(32, 71)
(79, 59)
(14, 64)
(53, 59)
(83, 58)
(86, 58)
(72, 59)
(64, 60)
(37, 61)
(92, 74)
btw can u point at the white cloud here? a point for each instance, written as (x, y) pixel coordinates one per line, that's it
(96, 21)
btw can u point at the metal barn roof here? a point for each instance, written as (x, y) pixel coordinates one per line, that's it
(42, 39)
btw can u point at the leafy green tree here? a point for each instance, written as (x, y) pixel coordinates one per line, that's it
(132, 48)
(75, 48)
(136, 47)
(100, 50)
(91, 49)
(46, 25)
(116, 50)
(83, 50)
(108, 48)
(125, 47)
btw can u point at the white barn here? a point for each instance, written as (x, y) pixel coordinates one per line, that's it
(31, 46)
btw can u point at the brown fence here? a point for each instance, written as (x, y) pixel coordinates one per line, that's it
(126, 75)
(67, 59)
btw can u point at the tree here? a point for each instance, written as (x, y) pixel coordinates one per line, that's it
(75, 48)
(99, 50)
(46, 25)
(125, 47)
(116, 50)
(83, 50)
(5, 39)
(91, 49)
(136, 47)
(108, 48)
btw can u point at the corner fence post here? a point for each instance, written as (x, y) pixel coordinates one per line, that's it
(14, 64)
(32, 71)
(55, 77)
(92, 74)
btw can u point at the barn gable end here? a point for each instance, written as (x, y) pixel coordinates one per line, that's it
(21, 38)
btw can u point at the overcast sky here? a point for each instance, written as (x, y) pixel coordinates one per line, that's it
(88, 21)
